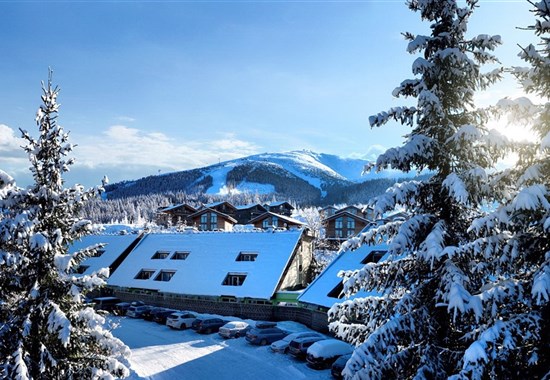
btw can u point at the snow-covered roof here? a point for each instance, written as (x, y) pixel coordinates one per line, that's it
(212, 256)
(115, 245)
(348, 214)
(279, 203)
(281, 217)
(252, 205)
(317, 293)
(173, 207)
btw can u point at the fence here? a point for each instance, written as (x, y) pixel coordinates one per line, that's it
(314, 319)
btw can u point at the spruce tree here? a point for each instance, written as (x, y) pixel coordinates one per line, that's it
(48, 331)
(428, 306)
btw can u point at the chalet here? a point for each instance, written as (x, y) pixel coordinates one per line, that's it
(115, 249)
(175, 215)
(216, 267)
(208, 219)
(326, 289)
(269, 220)
(223, 207)
(327, 212)
(343, 225)
(246, 213)
(281, 208)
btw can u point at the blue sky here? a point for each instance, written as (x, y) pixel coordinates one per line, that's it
(159, 86)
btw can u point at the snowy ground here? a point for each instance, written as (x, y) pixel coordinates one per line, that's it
(159, 352)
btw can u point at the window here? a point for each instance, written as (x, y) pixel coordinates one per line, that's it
(351, 224)
(144, 274)
(274, 221)
(373, 256)
(247, 256)
(213, 219)
(180, 255)
(337, 291)
(204, 222)
(234, 279)
(338, 225)
(98, 253)
(165, 275)
(160, 255)
(265, 223)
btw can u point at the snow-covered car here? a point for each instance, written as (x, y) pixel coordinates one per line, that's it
(298, 347)
(207, 325)
(323, 354)
(265, 324)
(137, 311)
(263, 336)
(122, 307)
(339, 365)
(181, 320)
(282, 345)
(234, 329)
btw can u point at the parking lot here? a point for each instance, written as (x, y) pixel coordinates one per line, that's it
(159, 352)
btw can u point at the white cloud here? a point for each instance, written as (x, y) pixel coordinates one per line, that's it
(371, 154)
(8, 140)
(122, 145)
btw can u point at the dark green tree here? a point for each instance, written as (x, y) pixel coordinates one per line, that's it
(432, 299)
(48, 332)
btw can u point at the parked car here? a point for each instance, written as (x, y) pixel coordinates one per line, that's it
(122, 307)
(181, 320)
(323, 353)
(282, 345)
(338, 366)
(265, 325)
(207, 325)
(263, 336)
(148, 315)
(105, 303)
(137, 311)
(161, 316)
(234, 329)
(298, 347)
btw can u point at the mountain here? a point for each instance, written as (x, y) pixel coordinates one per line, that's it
(302, 176)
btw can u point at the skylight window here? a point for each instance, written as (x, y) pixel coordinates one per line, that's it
(373, 256)
(98, 253)
(165, 275)
(337, 292)
(144, 274)
(247, 256)
(180, 255)
(234, 279)
(159, 255)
